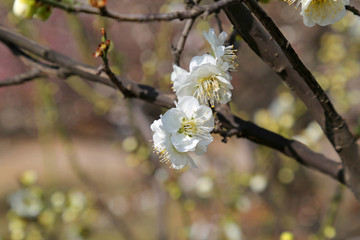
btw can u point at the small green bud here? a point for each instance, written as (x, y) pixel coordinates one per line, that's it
(43, 12)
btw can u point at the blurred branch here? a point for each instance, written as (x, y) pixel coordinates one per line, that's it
(218, 21)
(234, 125)
(150, 17)
(21, 78)
(181, 43)
(353, 9)
(329, 220)
(274, 49)
(117, 222)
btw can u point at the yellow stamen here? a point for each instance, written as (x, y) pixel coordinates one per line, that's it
(208, 90)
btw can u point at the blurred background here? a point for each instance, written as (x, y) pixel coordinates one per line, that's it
(76, 159)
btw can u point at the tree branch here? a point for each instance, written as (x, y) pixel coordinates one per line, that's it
(22, 78)
(273, 48)
(181, 43)
(289, 147)
(150, 17)
(233, 125)
(353, 9)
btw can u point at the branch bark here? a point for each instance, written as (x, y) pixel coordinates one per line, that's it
(150, 17)
(22, 78)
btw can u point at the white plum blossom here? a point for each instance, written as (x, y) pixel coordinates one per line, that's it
(183, 129)
(24, 8)
(322, 12)
(206, 81)
(225, 56)
(163, 147)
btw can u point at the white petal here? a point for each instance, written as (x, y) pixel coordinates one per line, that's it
(201, 148)
(188, 105)
(183, 143)
(222, 38)
(172, 120)
(185, 90)
(200, 60)
(204, 114)
(179, 160)
(225, 97)
(178, 72)
(219, 51)
(211, 36)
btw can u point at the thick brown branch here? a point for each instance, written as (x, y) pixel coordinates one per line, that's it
(232, 123)
(273, 48)
(290, 148)
(180, 15)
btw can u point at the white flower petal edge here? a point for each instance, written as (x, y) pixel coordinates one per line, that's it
(206, 81)
(322, 12)
(225, 56)
(181, 130)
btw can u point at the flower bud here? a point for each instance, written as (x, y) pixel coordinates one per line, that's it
(43, 12)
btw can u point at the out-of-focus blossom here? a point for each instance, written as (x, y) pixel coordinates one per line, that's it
(258, 183)
(26, 203)
(321, 12)
(24, 8)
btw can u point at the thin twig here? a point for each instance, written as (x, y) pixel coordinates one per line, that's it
(218, 20)
(118, 223)
(181, 43)
(22, 78)
(150, 17)
(353, 9)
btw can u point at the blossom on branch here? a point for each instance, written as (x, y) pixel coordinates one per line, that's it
(183, 129)
(225, 56)
(24, 8)
(206, 81)
(32, 8)
(322, 12)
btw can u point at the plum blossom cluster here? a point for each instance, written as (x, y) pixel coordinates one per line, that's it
(31, 9)
(321, 12)
(187, 127)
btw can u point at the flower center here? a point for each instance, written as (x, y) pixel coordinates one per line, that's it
(188, 127)
(195, 128)
(207, 90)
